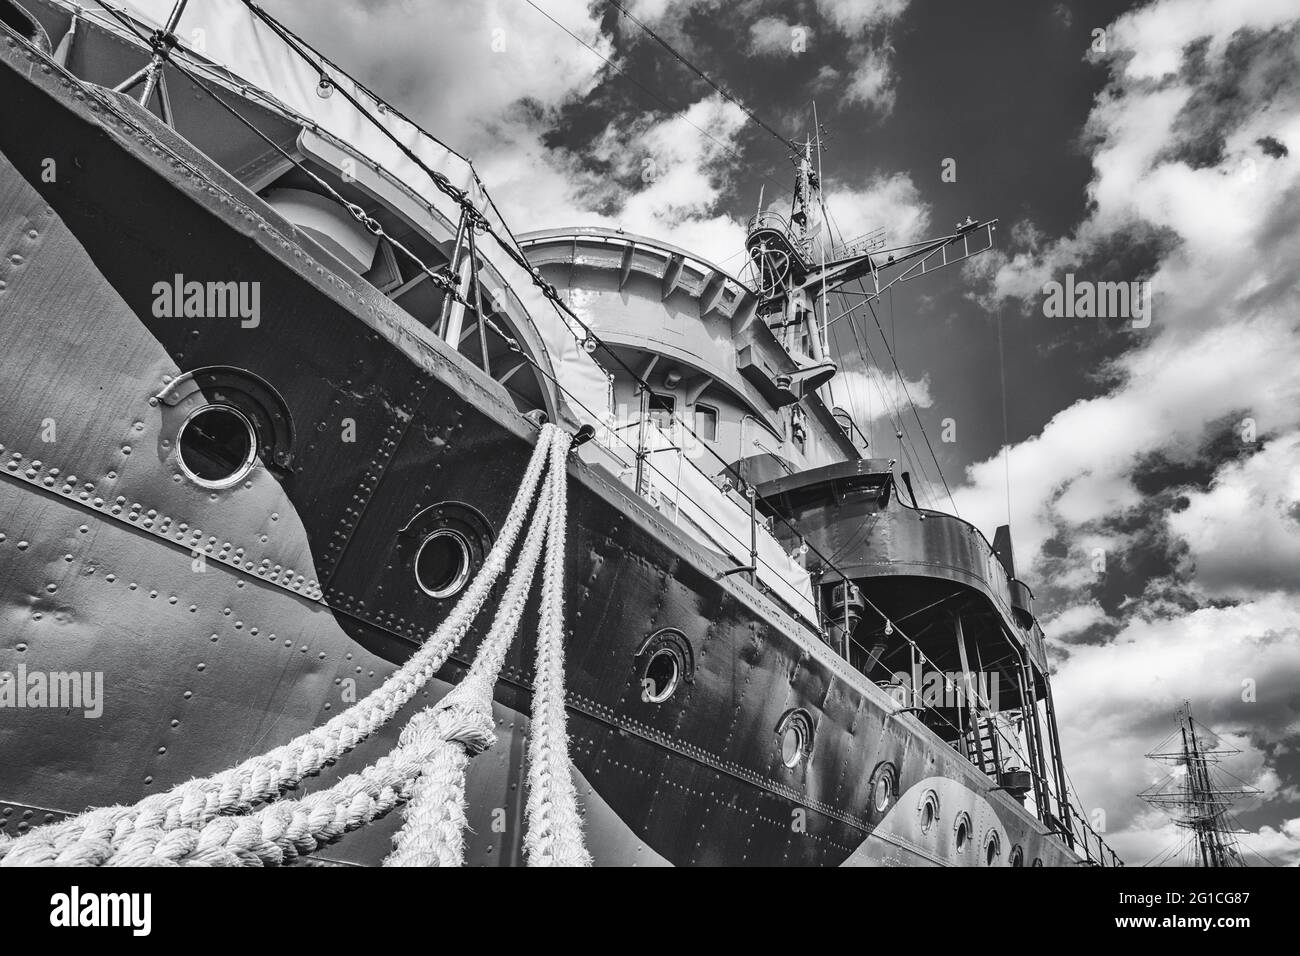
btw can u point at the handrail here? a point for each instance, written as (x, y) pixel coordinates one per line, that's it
(768, 220)
(1102, 845)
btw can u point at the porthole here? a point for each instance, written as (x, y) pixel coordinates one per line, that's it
(1038, 861)
(660, 677)
(795, 732)
(962, 832)
(929, 810)
(882, 791)
(992, 848)
(216, 446)
(792, 744)
(880, 796)
(442, 564)
(225, 418)
(442, 548)
(664, 662)
(1017, 856)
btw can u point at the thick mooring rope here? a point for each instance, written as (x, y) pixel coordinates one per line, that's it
(554, 836)
(435, 814)
(207, 821)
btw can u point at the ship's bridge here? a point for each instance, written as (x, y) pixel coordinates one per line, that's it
(692, 331)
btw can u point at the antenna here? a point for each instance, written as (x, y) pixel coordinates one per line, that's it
(1195, 795)
(823, 233)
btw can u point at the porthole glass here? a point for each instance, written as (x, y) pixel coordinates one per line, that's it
(992, 849)
(882, 791)
(1017, 856)
(881, 795)
(929, 811)
(792, 743)
(661, 676)
(216, 446)
(963, 833)
(794, 733)
(442, 564)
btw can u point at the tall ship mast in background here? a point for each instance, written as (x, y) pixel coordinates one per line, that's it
(1198, 794)
(273, 364)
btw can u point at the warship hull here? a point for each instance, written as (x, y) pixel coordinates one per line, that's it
(225, 621)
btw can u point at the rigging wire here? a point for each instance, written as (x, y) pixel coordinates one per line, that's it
(864, 351)
(906, 391)
(1006, 440)
(725, 94)
(922, 467)
(917, 464)
(680, 114)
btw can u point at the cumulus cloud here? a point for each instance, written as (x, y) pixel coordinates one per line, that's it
(1074, 620)
(869, 79)
(892, 201)
(776, 36)
(1244, 531)
(1188, 192)
(876, 399)
(852, 17)
(871, 82)
(676, 176)
(458, 68)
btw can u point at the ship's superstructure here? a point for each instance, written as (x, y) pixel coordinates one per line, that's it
(777, 658)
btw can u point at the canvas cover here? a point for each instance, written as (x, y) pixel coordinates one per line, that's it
(224, 40)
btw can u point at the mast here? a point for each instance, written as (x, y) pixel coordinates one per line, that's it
(1198, 798)
(795, 263)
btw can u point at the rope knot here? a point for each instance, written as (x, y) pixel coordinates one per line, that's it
(463, 716)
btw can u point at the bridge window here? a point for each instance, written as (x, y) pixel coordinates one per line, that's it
(661, 409)
(706, 422)
(798, 428)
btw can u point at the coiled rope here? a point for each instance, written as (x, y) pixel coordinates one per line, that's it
(212, 821)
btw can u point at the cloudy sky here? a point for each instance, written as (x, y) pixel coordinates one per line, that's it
(1154, 473)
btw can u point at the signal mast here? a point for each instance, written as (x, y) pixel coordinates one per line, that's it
(796, 266)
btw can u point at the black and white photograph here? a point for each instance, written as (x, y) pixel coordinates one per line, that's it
(644, 433)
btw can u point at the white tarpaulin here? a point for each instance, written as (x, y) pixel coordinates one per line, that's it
(227, 35)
